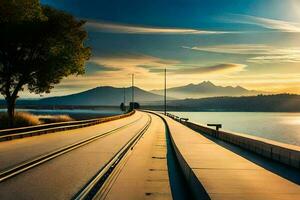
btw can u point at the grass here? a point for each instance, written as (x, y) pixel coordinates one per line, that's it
(23, 119)
(55, 118)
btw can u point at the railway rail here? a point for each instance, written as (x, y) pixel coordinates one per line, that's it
(16, 133)
(97, 186)
(24, 166)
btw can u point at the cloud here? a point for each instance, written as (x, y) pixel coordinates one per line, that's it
(116, 70)
(135, 29)
(145, 65)
(93, 67)
(224, 68)
(132, 63)
(261, 53)
(244, 49)
(295, 58)
(274, 24)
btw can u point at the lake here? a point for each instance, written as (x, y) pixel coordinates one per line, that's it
(281, 127)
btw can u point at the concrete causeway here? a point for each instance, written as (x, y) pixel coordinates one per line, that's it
(214, 172)
(167, 161)
(144, 174)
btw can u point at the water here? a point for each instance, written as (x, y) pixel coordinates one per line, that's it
(281, 127)
(74, 113)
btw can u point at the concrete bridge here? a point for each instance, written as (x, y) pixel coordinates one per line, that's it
(144, 155)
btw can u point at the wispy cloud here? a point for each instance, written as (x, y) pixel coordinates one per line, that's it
(135, 29)
(116, 70)
(132, 63)
(244, 49)
(224, 68)
(260, 53)
(145, 65)
(293, 58)
(274, 24)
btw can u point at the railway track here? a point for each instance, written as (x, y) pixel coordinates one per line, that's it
(16, 133)
(101, 182)
(27, 165)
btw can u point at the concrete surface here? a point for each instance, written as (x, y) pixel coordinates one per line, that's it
(64, 176)
(17, 151)
(222, 173)
(277, 151)
(144, 175)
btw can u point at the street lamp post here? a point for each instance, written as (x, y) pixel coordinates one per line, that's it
(132, 88)
(124, 98)
(165, 96)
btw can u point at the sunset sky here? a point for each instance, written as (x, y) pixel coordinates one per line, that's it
(251, 43)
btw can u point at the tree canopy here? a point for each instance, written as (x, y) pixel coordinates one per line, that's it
(39, 46)
(20, 10)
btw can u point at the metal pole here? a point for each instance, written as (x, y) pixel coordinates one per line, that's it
(165, 91)
(132, 98)
(124, 100)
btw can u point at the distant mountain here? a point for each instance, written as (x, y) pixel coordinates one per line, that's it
(206, 89)
(104, 96)
(259, 103)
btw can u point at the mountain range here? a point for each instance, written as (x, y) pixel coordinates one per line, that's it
(206, 89)
(106, 95)
(258, 103)
(112, 96)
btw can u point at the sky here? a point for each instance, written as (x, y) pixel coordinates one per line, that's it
(251, 43)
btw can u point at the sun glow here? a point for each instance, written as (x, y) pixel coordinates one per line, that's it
(296, 7)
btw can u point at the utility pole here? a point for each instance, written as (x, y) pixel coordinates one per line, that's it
(132, 88)
(124, 100)
(165, 92)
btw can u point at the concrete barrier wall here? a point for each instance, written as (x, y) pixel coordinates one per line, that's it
(283, 153)
(191, 178)
(196, 187)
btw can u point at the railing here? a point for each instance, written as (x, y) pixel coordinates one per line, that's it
(10, 134)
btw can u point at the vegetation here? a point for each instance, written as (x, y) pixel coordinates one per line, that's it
(23, 119)
(134, 105)
(55, 118)
(39, 46)
(122, 107)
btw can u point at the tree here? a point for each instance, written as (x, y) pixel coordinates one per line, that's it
(134, 105)
(122, 107)
(39, 46)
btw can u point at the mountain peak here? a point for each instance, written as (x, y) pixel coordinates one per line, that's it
(206, 83)
(206, 89)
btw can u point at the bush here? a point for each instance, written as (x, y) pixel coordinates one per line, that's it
(21, 119)
(55, 118)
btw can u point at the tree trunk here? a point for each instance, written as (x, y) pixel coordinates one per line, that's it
(11, 102)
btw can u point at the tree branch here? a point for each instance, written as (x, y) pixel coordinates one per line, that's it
(19, 86)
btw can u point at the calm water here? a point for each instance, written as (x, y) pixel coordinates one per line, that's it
(282, 127)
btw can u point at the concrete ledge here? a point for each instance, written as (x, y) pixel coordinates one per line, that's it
(283, 153)
(11, 134)
(194, 183)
